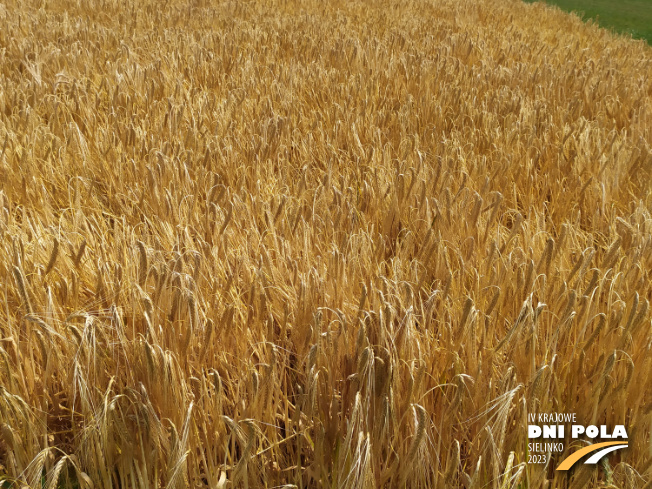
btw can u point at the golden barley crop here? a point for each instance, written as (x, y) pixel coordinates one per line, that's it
(319, 244)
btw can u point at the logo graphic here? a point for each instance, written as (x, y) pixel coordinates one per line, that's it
(601, 448)
(548, 434)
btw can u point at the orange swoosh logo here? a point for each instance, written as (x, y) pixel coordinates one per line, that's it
(569, 461)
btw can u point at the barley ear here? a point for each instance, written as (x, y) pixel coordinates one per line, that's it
(53, 257)
(22, 288)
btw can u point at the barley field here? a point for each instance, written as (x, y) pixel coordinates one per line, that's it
(319, 244)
